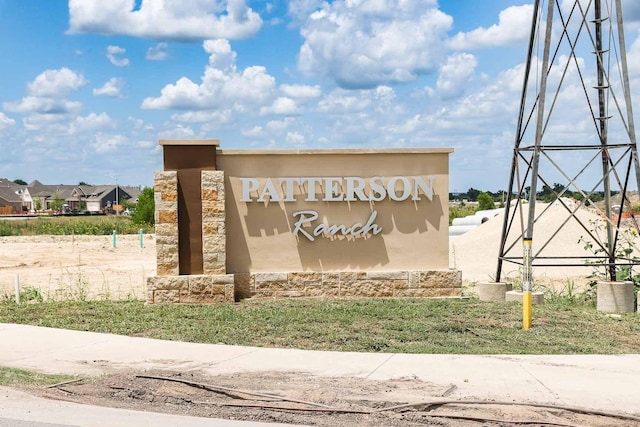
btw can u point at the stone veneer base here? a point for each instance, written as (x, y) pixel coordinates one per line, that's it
(207, 289)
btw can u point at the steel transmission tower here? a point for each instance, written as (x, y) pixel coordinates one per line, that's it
(575, 135)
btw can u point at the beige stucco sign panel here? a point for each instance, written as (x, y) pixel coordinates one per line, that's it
(392, 206)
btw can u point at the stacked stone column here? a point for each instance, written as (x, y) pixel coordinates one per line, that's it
(214, 286)
(166, 218)
(213, 223)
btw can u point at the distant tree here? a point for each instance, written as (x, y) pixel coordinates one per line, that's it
(485, 202)
(37, 204)
(472, 194)
(145, 208)
(19, 182)
(56, 203)
(82, 183)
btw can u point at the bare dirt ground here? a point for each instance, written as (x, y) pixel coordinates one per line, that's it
(298, 398)
(78, 267)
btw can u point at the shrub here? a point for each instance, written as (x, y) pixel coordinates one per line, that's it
(485, 202)
(145, 209)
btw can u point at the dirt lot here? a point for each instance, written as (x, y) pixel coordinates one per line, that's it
(80, 267)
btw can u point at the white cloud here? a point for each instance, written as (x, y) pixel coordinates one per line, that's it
(45, 124)
(363, 43)
(146, 144)
(455, 75)
(112, 55)
(5, 121)
(157, 52)
(104, 143)
(112, 88)
(295, 138)
(55, 83)
(165, 19)
(178, 132)
(514, 26)
(281, 106)
(36, 104)
(47, 92)
(301, 91)
(91, 123)
(253, 132)
(341, 101)
(299, 10)
(224, 91)
(278, 126)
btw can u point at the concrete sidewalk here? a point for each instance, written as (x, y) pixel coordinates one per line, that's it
(608, 383)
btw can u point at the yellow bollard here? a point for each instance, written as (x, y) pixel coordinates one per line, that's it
(526, 284)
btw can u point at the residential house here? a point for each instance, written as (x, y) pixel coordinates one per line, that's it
(10, 201)
(37, 196)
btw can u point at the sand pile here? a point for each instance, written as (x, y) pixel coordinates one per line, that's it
(476, 253)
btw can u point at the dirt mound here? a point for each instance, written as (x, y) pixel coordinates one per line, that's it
(556, 234)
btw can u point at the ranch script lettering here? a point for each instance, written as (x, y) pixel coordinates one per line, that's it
(336, 189)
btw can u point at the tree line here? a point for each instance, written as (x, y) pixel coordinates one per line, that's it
(546, 194)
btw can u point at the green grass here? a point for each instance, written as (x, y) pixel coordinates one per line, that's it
(11, 377)
(67, 225)
(369, 325)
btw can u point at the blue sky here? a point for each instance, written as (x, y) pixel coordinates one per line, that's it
(89, 86)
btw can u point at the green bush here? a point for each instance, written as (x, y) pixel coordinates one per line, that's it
(145, 209)
(485, 202)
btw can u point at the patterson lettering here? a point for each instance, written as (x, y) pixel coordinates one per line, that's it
(337, 189)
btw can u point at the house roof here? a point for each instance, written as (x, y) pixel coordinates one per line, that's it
(9, 195)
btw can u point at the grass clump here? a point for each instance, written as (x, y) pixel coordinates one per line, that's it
(12, 377)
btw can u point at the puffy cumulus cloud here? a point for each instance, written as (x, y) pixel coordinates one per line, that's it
(455, 74)
(301, 91)
(299, 10)
(45, 124)
(91, 123)
(281, 106)
(157, 52)
(364, 43)
(514, 26)
(295, 138)
(56, 83)
(220, 54)
(5, 121)
(165, 19)
(177, 132)
(253, 132)
(340, 101)
(46, 94)
(105, 143)
(113, 88)
(224, 91)
(271, 128)
(113, 53)
(633, 58)
(40, 105)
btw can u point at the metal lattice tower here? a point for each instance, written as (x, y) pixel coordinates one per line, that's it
(575, 133)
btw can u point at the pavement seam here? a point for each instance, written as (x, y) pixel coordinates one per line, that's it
(380, 365)
(553, 393)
